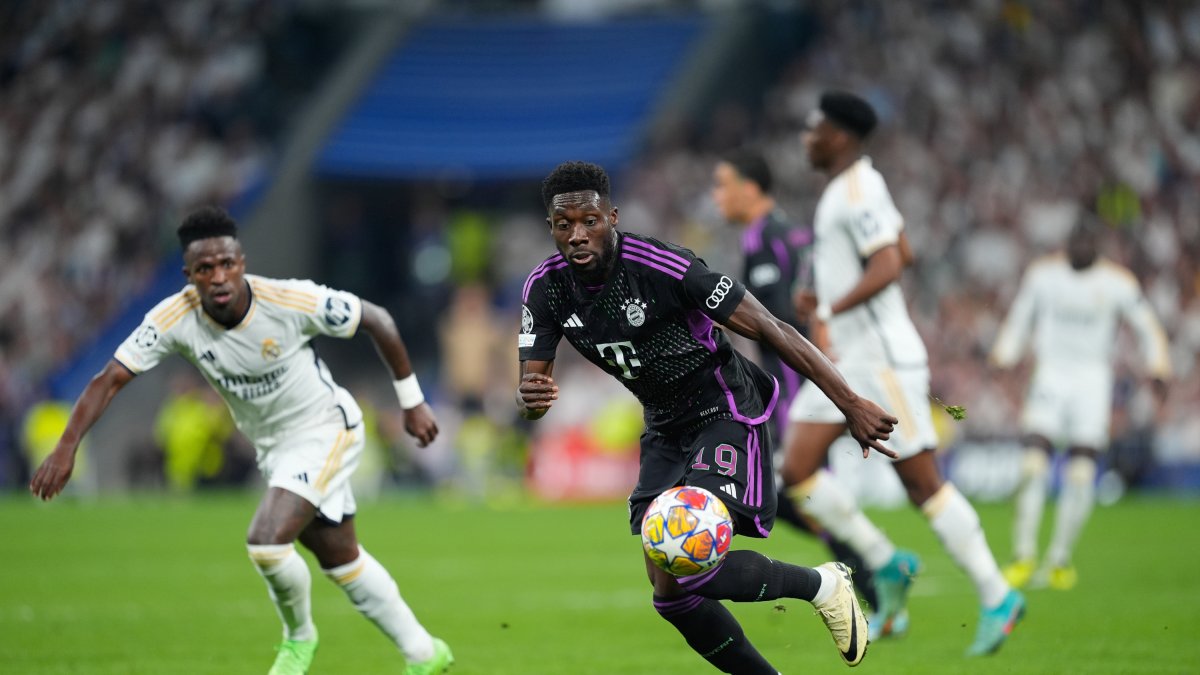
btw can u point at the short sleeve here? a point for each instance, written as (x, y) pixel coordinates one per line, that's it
(540, 333)
(336, 313)
(713, 293)
(874, 222)
(150, 343)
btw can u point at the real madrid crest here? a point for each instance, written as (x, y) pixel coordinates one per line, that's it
(635, 312)
(270, 350)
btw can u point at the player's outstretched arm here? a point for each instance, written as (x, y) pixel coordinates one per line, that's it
(419, 421)
(868, 423)
(537, 391)
(883, 267)
(52, 476)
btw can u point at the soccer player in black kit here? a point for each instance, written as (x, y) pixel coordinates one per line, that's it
(647, 313)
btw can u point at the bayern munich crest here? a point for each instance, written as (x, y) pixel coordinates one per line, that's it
(635, 312)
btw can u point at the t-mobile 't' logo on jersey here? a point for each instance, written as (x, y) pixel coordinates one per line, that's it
(623, 356)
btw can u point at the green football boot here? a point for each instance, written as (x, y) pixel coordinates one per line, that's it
(440, 662)
(294, 657)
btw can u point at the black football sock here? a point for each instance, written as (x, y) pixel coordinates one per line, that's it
(712, 631)
(749, 576)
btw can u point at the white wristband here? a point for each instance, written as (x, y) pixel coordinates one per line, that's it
(824, 313)
(408, 391)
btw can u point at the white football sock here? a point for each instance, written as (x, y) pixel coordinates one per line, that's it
(289, 584)
(1074, 508)
(828, 585)
(375, 594)
(824, 498)
(1031, 500)
(957, 525)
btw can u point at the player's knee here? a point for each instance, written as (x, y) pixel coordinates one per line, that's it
(1080, 470)
(1035, 464)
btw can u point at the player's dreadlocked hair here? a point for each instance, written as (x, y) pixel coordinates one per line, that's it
(205, 223)
(574, 177)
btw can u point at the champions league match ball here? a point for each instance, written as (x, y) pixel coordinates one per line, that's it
(686, 530)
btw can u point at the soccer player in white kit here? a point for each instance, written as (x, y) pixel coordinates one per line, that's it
(1071, 305)
(249, 336)
(858, 258)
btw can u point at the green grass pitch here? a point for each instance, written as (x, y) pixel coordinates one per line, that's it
(160, 585)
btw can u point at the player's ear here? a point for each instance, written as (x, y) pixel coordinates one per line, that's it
(612, 216)
(549, 223)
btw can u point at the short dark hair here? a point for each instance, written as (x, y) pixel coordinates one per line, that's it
(752, 166)
(205, 223)
(849, 112)
(574, 177)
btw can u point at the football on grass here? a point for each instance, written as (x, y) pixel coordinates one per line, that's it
(686, 530)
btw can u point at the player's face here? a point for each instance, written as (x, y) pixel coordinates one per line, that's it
(216, 267)
(1082, 248)
(821, 141)
(729, 193)
(584, 228)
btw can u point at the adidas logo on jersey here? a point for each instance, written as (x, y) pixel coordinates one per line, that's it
(729, 489)
(302, 477)
(573, 322)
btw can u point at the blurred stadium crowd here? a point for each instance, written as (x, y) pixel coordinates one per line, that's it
(117, 116)
(1000, 127)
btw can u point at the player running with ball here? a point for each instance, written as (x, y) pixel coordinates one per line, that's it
(646, 312)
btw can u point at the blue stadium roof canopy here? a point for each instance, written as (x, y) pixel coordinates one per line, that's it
(509, 98)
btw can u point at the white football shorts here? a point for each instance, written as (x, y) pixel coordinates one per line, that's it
(316, 463)
(1070, 405)
(903, 393)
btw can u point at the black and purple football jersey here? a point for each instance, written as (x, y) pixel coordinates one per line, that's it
(651, 325)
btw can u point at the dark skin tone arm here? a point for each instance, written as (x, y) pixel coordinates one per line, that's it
(377, 323)
(537, 391)
(52, 476)
(883, 267)
(867, 422)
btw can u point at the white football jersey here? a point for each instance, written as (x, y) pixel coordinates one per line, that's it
(855, 218)
(265, 367)
(1073, 315)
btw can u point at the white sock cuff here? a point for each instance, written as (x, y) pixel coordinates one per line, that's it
(344, 574)
(1035, 463)
(940, 499)
(1080, 471)
(267, 556)
(829, 584)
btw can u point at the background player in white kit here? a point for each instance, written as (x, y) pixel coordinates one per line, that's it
(1070, 304)
(249, 336)
(857, 260)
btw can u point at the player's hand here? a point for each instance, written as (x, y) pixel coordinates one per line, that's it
(420, 423)
(537, 392)
(805, 303)
(52, 476)
(869, 424)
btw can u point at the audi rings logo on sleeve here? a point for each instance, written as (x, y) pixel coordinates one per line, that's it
(718, 295)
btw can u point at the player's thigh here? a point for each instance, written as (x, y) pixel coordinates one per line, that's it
(333, 544)
(661, 467)
(806, 449)
(733, 461)
(280, 518)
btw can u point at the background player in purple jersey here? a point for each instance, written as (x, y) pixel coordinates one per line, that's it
(776, 257)
(646, 312)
